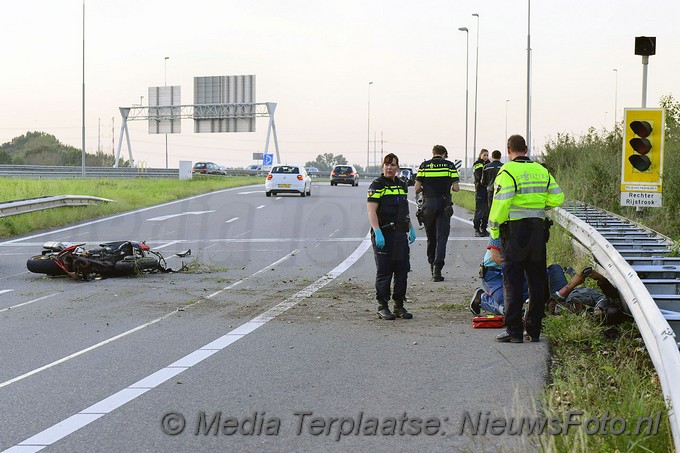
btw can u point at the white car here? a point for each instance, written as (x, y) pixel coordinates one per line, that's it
(254, 169)
(288, 179)
(313, 171)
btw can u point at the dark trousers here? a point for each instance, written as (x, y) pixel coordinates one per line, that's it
(489, 201)
(437, 227)
(556, 278)
(524, 255)
(392, 260)
(479, 222)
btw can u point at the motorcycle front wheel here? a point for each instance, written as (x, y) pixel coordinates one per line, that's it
(44, 264)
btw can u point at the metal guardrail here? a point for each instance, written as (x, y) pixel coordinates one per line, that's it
(38, 204)
(55, 172)
(660, 339)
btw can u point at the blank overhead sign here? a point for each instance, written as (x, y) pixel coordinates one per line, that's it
(164, 110)
(239, 91)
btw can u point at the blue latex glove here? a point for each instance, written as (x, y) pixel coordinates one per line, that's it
(411, 235)
(379, 239)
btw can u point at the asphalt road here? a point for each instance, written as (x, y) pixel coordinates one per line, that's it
(270, 343)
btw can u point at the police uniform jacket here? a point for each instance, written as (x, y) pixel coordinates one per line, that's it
(489, 173)
(436, 175)
(477, 168)
(524, 189)
(391, 196)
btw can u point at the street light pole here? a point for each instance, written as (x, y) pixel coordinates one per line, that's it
(529, 76)
(368, 133)
(83, 98)
(467, 73)
(506, 120)
(616, 89)
(165, 83)
(474, 137)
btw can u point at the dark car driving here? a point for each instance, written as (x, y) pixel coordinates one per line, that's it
(208, 168)
(407, 175)
(344, 174)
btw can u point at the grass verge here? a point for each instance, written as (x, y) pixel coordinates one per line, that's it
(603, 380)
(128, 194)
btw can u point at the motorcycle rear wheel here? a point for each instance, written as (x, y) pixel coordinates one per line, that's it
(131, 267)
(44, 264)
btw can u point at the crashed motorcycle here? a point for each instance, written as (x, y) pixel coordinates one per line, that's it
(111, 259)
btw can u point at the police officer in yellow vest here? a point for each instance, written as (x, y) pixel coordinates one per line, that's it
(524, 190)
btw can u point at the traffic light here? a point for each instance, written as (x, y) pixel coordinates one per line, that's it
(645, 45)
(641, 145)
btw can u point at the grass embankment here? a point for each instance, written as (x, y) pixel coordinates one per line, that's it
(127, 194)
(601, 371)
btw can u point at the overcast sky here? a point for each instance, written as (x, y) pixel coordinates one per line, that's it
(315, 59)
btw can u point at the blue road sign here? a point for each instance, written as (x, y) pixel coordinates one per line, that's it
(268, 159)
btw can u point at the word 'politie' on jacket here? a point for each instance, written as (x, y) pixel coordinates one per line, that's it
(524, 189)
(436, 175)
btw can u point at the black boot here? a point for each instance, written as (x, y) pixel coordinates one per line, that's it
(384, 312)
(437, 274)
(400, 311)
(432, 269)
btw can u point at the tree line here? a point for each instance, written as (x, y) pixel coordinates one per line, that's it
(41, 148)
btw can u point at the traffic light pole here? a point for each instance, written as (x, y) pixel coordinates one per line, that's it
(645, 61)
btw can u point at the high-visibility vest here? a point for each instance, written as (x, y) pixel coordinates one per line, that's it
(524, 189)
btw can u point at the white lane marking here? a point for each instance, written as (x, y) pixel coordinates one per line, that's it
(124, 334)
(334, 232)
(252, 191)
(261, 206)
(245, 232)
(460, 219)
(232, 220)
(170, 216)
(167, 244)
(275, 263)
(73, 423)
(3, 291)
(26, 303)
